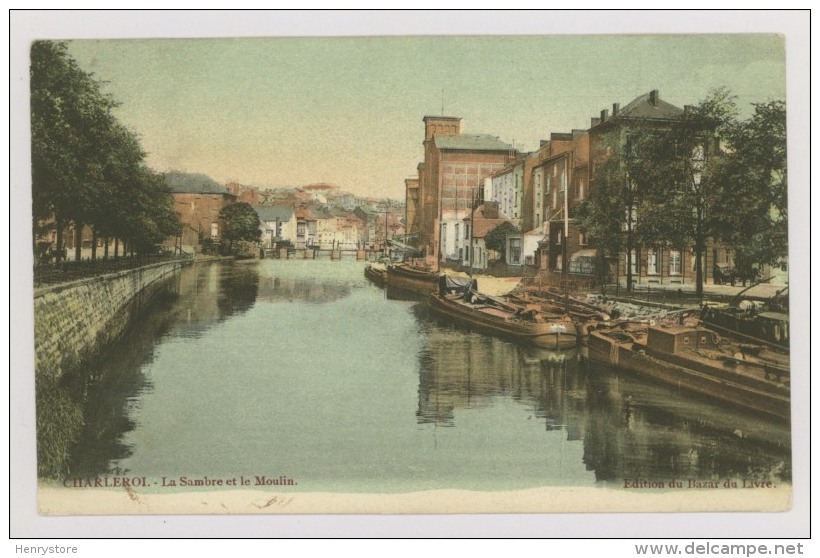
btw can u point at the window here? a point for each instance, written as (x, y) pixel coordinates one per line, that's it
(580, 188)
(456, 236)
(634, 262)
(651, 262)
(630, 218)
(674, 262)
(582, 239)
(466, 231)
(214, 230)
(515, 250)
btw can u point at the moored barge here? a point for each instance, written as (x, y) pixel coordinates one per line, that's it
(699, 361)
(459, 300)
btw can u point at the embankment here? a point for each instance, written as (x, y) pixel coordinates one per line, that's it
(73, 323)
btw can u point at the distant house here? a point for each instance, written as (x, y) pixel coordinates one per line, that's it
(198, 199)
(337, 228)
(247, 194)
(483, 220)
(278, 224)
(306, 225)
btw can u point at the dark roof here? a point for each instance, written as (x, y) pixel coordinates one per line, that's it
(193, 183)
(273, 213)
(641, 107)
(472, 142)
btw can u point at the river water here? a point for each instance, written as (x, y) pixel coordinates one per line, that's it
(303, 370)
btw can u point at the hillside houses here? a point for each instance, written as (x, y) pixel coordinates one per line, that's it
(319, 216)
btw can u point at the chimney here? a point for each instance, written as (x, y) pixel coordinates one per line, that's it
(615, 108)
(654, 97)
(604, 115)
(594, 122)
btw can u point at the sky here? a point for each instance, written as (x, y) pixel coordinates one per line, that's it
(287, 111)
(348, 111)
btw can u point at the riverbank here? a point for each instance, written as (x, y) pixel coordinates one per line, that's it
(74, 322)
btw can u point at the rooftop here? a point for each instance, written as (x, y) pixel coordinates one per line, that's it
(649, 106)
(193, 183)
(472, 142)
(273, 213)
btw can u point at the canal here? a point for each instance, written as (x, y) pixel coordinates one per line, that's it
(303, 370)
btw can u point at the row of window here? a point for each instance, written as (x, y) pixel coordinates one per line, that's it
(653, 263)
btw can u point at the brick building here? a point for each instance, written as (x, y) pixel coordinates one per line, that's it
(198, 199)
(452, 180)
(411, 191)
(612, 135)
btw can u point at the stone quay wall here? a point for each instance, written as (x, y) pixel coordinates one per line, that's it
(74, 321)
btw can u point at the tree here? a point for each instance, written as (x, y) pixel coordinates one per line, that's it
(752, 205)
(677, 170)
(496, 239)
(613, 216)
(87, 168)
(69, 116)
(241, 222)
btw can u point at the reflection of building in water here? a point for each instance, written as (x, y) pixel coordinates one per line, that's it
(187, 305)
(238, 289)
(210, 293)
(639, 430)
(289, 289)
(461, 370)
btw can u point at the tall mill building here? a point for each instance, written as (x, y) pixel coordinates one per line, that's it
(450, 181)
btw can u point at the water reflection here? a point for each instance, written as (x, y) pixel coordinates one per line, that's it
(186, 305)
(238, 289)
(465, 370)
(636, 429)
(112, 388)
(291, 289)
(350, 382)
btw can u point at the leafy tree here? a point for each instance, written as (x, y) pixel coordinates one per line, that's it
(496, 239)
(677, 171)
(69, 115)
(611, 216)
(751, 208)
(87, 168)
(241, 222)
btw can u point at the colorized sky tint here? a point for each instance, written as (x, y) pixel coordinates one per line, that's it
(348, 111)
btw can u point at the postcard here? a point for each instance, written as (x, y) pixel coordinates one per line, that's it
(414, 274)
